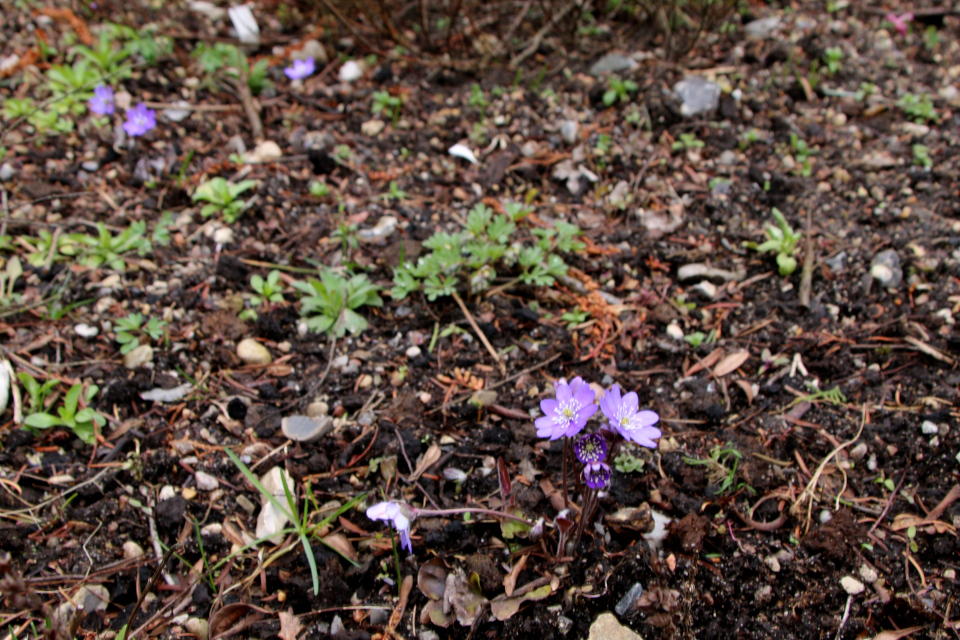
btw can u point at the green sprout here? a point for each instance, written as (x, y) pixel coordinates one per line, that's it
(619, 91)
(82, 422)
(131, 330)
(721, 466)
(389, 105)
(921, 156)
(687, 141)
(223, 196)
(575, 317)
(783, 240)
(329, 303)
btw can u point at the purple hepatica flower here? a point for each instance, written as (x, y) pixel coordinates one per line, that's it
(399, 516)
(140, 119)
(900, 21)
(568, 413)
(591, 450)
(624, 416)
(300, 69)
(102, 101)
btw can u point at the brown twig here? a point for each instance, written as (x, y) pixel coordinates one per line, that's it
(537, 39)
(480, 334)
(809, 261)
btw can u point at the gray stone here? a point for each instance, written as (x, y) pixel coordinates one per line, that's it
(612, 63)
(7, 172)
(132, 550)
(350, 72)
(763, 28)
(371, 128)
(205, 481)
(198, 627)
(569, 130)
(629, 599)
(886, 269)
(699, 271)
(929, 428)
(698, 96)
(607, 627)
(727, 159)
(90, 165)
(252, 352)
(317, 409)
(305, 429)
(138, 357)
(311, 49)
(851, 585)
(837, 263)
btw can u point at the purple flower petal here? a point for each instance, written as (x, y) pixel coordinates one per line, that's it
(590, 449)
(597, 476)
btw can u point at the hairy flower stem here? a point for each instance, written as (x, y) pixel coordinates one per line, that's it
(566, 454)
(486, 512)
(590, 503)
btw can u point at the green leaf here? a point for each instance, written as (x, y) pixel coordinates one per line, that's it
(42, 421)
(786, 263)
(72, 399)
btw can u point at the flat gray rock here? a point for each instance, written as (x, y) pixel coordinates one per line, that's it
(607, 627)
(698, 96)
(612, 63)
(306, 429)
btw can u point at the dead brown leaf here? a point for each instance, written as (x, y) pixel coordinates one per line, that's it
(705, 363)
(429, 458)
(290, 626)
(339, 543)
(896, 634)
(731, 363)
(510, 580)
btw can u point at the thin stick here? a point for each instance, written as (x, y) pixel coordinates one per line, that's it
(809, 260)
(537, 39)
(480, 334)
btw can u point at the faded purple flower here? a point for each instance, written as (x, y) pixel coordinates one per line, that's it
(591, 451)
(900, 21)
(300, 69)
(625, 417)
(568, 413)
(399, 516)
(102, 101)
(140, 119)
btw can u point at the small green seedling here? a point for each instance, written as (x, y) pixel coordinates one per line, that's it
(833, 59)
(920, 108)
(619, 91)
(478, 100)
(83, 423)
(319, 189)
(269, 290)
(329, 303)
(687, 141)
(801, 153)
(131, 330)
(783, 240)
(721, 466)
(223, 196)
(36, 393)
(575, 317)
(921, 156)
(388, 104)
(396, 193)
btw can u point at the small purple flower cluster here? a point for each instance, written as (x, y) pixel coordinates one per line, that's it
(140, 119)
(566, 415)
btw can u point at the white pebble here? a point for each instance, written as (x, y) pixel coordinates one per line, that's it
(929, 428)
(85, 330)
(851, 585)
(205, 481)
(414, 352)
(675, 332)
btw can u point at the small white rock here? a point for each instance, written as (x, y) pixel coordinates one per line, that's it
(463, 151)
(205, 481)
(825, 516)
(138, 357)
(223, 235)
(869, 574)
(569, 130)
(414, 352)
(371, 128)
(929, 428)
(132, 550)
(198, 627)
(350, 72)
(851, 585)
(707, 289)
(252, 352)
(266, 151)
(85, 330)
(772, 563)
(674, 331)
